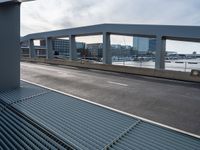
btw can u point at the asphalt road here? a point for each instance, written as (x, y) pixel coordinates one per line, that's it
(173, 103)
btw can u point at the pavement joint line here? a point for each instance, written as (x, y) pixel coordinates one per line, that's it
(122, 135)
(117, 83)
(116, 110)
(6, 105)
(29, 97)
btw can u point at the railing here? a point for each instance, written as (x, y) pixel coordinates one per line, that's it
(177, 65)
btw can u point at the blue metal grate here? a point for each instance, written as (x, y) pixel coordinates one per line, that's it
(146, 136)
(17, 132)
(87, 126)
(26, 91)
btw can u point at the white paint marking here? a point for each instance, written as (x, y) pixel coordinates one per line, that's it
(67, 67)
(117, 83)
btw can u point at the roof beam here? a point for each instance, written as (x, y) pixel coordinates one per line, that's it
(188, 33)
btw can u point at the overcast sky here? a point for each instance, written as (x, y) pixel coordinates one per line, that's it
(45, 15)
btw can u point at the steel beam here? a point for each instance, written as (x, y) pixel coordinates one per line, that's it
(182, 33)
(160, 52)
(72, 47)
(107, 53)
(9, 45)
(32, 52)
(49, 48)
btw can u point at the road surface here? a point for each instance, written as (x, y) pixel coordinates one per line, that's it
(173, 103)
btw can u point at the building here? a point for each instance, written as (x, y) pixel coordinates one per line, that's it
(94, 50)
(61, 46)
(122, 50)
(141, 45)
(24, 49)
(152, 45)
(144, 45)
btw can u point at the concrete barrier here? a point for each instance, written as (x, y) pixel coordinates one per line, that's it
(168, 74)
(195, 72)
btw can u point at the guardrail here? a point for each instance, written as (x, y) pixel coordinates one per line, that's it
(168, 74)
(185, 66)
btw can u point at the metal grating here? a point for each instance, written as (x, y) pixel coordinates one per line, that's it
(87, 126)
(17, 132)
(81, 123)
(146, 136)
(1, 106)
(26, 91)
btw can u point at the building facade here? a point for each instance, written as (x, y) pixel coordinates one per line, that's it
(61, 46)
(94, 50)
(122, 50)
(144, 45)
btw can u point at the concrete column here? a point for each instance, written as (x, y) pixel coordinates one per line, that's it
(9, 45)
(160, 52)
(107, 53)
(72, 47)
(32, 52)
(49, 48)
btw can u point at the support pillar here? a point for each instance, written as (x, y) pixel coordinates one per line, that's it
(9, 45)
(72, 47)
(107, 53)
(49, 48)
(160, 53)
(32, 52)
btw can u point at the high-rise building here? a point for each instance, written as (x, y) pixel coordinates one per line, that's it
(152, 45)
(144, 45)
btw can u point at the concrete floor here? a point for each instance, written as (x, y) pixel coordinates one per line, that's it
(174, 103)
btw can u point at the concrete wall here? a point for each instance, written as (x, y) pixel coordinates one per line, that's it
(9, 46)
(175, 75)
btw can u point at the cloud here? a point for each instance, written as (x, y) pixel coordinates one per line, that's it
(45, 15)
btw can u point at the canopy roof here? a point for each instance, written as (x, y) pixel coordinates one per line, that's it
(7, 2)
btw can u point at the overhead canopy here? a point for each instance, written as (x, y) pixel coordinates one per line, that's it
(7, 2)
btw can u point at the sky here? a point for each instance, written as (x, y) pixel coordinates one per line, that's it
(47, 15)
